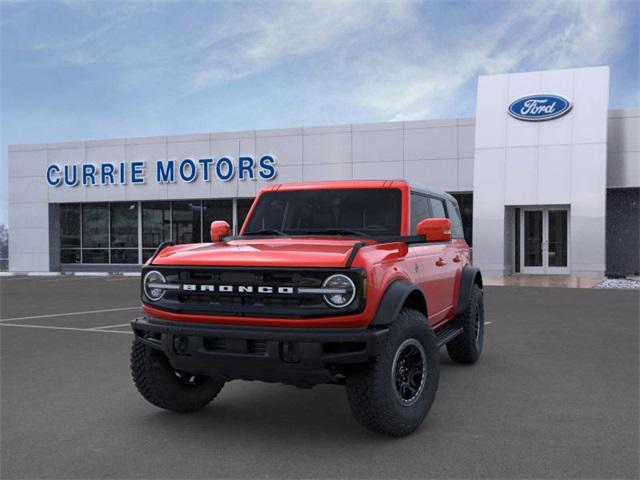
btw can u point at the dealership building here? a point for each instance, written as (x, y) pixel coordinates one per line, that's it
(546, 175)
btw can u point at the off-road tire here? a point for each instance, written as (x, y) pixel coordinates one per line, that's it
(371, 389)
(162, 386)
(467, 347)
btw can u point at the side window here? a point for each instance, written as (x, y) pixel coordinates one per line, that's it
(437, 207)
(419, 210)
(456, 223)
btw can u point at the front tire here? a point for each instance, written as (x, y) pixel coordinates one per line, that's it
(393, 394)
(163, 386)
(467, 347)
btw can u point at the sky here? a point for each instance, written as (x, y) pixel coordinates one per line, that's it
(76, 70)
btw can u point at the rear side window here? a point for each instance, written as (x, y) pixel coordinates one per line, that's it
(437, 207)
(456, 223)
(419, 210)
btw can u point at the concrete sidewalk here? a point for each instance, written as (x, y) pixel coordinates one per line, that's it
(556, 281)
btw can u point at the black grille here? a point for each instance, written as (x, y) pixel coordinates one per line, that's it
(225, 345)
(254, 303)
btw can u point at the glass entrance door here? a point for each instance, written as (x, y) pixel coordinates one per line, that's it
(544, 240)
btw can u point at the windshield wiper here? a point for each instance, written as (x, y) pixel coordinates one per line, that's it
(336, 231)
(266, 231)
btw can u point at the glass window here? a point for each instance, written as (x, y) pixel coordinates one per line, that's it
(186, 221)
(156, 224)
(215, 210)
(124, 225)
(244, 205)
(517, 239)
(465, 207)
(558, 235)
(419, 210)
(70, 255)
(70, 226)
(146, 254)
(437, 207)
(92, 255)
(370, 211)
(456, 222)
(124, 255)
(95, 225)
(533, 238)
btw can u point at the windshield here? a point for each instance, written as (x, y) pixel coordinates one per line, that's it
(358, 212)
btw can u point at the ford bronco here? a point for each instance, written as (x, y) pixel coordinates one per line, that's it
(355, 283)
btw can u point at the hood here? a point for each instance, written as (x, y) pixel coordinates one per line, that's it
(265, 252)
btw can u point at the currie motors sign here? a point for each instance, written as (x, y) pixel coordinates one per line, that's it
(540, 107)
(187, 170)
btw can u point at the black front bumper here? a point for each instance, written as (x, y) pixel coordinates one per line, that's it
(298, 356)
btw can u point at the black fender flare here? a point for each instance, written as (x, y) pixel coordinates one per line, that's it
(393, 300)
(470, 275)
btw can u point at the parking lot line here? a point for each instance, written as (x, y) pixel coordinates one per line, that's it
(111, 326)
(50, 327)
(88, 312)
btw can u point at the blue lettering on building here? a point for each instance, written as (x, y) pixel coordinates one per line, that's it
(188, 170)
(107, 176)
(205, 163)
(53, 175)
(246, 168)
(267, 168)
(137, 173)
(165, 171)
(185, 170)
(71, 175)
(224, 169)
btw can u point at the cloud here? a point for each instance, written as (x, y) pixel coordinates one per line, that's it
(294, 31)
(525, 36)
(392, 58)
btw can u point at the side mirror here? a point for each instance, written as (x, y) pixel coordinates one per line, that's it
(219, 230)
(435, 229)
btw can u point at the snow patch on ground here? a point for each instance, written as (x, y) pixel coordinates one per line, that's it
(618, 283)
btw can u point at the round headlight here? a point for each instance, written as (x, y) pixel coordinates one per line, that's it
(342, 293)
(152, 285)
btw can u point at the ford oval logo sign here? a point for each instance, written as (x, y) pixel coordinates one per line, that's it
(536, 108)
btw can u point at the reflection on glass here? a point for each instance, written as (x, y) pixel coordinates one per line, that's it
(533, 238)
(186, 221)
(95, 225)
(373, 211)
(419, 210)
(70, 255)
(437, 206)
(124, 225)
(146, 254)
(69, 226)
(156, 223)
(95, 256)
(558, 238)
(124, 255)
(465, 204)
(244, 205)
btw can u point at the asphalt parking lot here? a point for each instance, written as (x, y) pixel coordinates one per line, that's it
(554, 395)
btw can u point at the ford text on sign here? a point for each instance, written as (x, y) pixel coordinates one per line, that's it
(536, 108)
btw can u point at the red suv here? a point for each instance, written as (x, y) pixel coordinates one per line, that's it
(356, 283)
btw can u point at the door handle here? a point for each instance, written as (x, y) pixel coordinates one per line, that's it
(457, 259)
(440, 262)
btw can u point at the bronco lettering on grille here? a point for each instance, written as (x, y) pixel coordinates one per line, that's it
(262, 289)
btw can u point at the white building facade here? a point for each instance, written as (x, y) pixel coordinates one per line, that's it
(547, 178)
